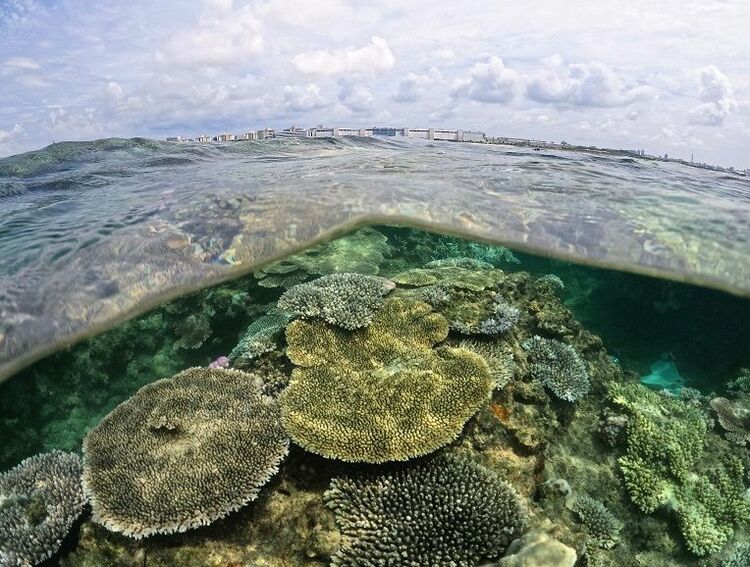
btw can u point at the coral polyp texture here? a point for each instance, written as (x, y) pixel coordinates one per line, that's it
(183, 452)
(346, 300)
(558, 366)
(498, 356)
(381, 393)
(449, 511)
(40, 500)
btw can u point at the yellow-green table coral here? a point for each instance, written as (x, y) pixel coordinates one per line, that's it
(381, 393)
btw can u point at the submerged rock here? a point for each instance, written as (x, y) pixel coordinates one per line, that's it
(537, 549)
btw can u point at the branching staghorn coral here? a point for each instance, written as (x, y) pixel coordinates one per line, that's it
(558, 366)
(183, 452)
(40, 500)
(346, 300)
(381, 393)
(448, 511)
(666, 465)
(603, 526)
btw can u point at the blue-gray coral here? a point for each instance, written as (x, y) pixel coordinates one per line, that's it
(40, 499)
(503, 318)
(183, 452)
(558, 366)
(734, 417)
(346, 300)
(448, 511)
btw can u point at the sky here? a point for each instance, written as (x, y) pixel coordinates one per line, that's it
(668, 77)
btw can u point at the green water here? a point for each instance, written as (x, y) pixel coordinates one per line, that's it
(619, 324)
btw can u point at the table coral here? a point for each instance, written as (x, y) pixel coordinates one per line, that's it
(40, 499)
(182, 452)
(381, 393)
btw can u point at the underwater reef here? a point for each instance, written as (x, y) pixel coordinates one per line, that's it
(392, 397)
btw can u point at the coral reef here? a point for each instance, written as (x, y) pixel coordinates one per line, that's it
(451, 276)
(537, 549)
(448, 511)
(182, 452)
(734, 418)
(397, 389)
(559, 367)
(498, 356)
(381, 393)
(435, 295)
(361, 252)
(260, 337)
(603, 526)
(40, 500)
(346, 300)
(459, 262)
(665, 448)
(551, 281)
(740, 556)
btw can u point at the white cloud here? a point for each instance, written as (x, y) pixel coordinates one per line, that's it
(582, 84)
(356, 97)
(489, 82)
(16, 63)
(6, 135)
(369, 59)
(303, 98)
(717, 98)
(411, 87)
(223, 37)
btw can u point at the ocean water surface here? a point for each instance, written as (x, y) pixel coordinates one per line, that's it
(312, 352)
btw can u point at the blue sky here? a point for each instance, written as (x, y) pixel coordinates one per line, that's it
(670, 76)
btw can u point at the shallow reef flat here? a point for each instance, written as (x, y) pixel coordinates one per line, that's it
(393, 397)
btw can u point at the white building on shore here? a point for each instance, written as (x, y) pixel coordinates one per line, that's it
(320, 131)
(424, 133)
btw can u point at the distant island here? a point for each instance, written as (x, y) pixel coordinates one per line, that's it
(444, 134)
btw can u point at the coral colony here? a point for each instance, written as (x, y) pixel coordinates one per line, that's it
(389, 398)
